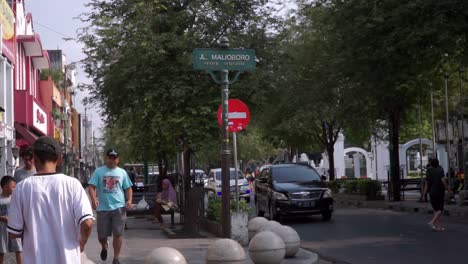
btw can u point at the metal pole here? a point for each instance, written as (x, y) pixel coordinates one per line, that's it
(462, 98)
(434, 151)
(65, 132)
(236, 169)
(376, 164)
(225, 164)
(86, 137)
(420, 147)
(447, 131)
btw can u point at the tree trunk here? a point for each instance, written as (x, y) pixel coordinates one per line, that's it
(186, 175)
(331, 161)
(395, 153)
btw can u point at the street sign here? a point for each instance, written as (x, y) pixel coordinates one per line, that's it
(224, 59)
(238, 115)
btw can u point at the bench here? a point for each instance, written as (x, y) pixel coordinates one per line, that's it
(150, 198)
(406, 185)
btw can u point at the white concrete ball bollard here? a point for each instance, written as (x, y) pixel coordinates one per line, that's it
(165, 255)
(267, 247)
(291, 240)
(225, 251)
(255, 224)
(270, 226)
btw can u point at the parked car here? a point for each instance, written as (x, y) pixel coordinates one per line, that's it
(214, 183)
(292, 189)
(199, 176)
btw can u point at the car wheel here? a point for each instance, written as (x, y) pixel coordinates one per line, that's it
(257, 209)
(326, 216)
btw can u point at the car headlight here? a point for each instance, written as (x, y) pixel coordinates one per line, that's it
(327, 193)
(279, 196)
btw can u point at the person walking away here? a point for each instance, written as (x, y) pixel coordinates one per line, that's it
(111, 184)
(132, 174)
(50, 210)
(7, 244)
(28, 169)
(165, 200)
(436, 185)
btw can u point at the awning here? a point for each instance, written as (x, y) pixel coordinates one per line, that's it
(25, 134)
(41, 62)
(32, 44)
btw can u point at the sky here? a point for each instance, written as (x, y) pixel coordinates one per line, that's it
(55, 20)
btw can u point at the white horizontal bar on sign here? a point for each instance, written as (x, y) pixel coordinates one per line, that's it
(237, 115)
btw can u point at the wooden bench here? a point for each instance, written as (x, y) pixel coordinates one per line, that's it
(150, 198)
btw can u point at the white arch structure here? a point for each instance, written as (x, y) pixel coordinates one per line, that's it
(366, 156)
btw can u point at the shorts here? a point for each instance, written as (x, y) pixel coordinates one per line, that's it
(8, 244)
(437, 202)
(111, 222)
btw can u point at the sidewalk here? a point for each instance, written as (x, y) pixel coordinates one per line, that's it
(143, 236)
(410, 204)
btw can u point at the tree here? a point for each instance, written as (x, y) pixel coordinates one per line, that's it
(387, 45)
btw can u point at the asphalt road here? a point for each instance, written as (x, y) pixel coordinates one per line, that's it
(361, 236)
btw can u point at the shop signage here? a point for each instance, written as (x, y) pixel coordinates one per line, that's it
(7, 20)
(39, 118)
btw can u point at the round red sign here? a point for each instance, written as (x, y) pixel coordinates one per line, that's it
(238, 115)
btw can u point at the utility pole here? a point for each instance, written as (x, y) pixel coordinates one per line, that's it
(86, 137)
(447, 136)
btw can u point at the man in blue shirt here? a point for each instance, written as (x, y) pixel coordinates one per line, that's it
(111, 184)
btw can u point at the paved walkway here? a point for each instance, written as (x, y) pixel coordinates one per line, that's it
(143, 236)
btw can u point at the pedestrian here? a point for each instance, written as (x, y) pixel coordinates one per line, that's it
(111, 184)
(7, 244)
(250, 178)
(132, 174)
(436, 185)
(28, 169)
(50, 210)
(165, 200)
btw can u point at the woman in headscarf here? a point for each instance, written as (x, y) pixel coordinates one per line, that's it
(165, 200)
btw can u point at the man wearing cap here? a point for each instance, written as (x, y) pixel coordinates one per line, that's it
(111, 184)
(50, 210)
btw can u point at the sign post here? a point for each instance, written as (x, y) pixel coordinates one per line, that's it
(223, 60)
(238, 119)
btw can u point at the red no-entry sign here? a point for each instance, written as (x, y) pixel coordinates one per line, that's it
(238, 115)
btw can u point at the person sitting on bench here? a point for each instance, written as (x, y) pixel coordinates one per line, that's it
(165, 201)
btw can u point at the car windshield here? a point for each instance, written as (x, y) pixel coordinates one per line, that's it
(239, 174)
(295, 174)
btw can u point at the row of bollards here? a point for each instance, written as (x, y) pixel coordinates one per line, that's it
(270, 243)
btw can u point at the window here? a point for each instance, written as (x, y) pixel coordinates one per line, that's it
(295, 174)
(239, 175)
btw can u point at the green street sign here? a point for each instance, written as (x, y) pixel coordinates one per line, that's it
(224, 59)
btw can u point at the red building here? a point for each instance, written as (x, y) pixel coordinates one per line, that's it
(32, 118)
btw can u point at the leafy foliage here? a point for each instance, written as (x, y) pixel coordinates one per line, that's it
(215, 207)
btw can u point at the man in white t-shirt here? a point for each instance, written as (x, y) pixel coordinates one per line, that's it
(50, 210)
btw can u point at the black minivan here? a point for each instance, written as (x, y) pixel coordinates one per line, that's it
(291, 189)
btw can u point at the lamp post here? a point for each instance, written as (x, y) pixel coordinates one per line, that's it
(462, 110)
(447, 137)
